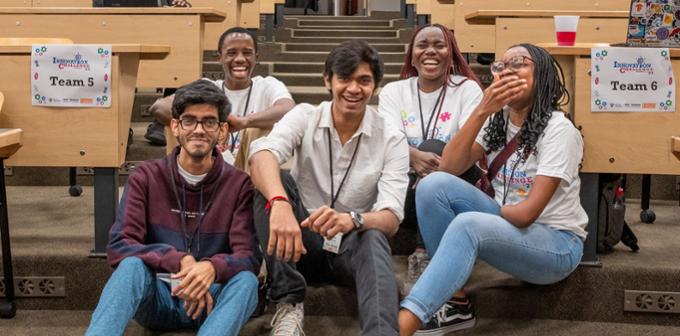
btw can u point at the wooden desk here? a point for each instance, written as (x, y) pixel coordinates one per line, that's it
(440, 11)
(490, 16)
(481, 38)
(75, 137)
(537, 26)
(235, 16)
(180, 28)
(636, 143)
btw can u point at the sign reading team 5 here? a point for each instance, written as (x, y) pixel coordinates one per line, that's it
(632, 80)
(71, 75)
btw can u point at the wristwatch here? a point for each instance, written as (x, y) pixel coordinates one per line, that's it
(357, 219)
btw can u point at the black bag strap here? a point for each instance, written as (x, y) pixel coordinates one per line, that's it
(501, 158)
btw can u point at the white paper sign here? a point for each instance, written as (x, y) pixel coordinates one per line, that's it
(632, 80)
(71, 75)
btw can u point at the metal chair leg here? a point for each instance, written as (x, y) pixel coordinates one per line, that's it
(8, 307)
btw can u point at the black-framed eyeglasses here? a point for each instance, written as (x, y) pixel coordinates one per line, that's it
(190, 124)
(515, 64)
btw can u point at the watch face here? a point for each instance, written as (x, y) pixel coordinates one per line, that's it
(357, 219)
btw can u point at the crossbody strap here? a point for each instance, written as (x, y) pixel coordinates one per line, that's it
(502, 157)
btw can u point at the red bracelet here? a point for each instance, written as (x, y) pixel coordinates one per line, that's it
(274, 199)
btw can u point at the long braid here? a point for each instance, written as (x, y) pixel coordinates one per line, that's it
(548, 95)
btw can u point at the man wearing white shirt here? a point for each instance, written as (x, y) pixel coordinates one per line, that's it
(347, 184)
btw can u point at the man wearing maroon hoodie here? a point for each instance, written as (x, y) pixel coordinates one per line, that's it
(189, 215)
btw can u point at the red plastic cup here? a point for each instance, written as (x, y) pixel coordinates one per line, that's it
(565, 27)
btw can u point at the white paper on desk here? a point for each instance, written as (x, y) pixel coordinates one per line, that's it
(632, 80)
(71, 75)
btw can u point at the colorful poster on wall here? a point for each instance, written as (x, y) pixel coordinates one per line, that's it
(71, 75)
(632, 80)
(654, 23)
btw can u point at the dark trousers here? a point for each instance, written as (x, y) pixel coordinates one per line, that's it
(364, 262)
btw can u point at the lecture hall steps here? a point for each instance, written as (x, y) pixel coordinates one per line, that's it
(52, 236)
(52, 232)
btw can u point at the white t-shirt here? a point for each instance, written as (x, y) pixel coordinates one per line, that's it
(558, 153)
(188, 177)
(399, 101)
(265, 92)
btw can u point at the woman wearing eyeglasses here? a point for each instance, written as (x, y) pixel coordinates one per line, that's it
(533, 225)
(436, 94)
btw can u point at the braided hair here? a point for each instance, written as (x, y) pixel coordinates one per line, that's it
(548, 94)
(455, 64)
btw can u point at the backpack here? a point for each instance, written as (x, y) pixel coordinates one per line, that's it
(611, 225)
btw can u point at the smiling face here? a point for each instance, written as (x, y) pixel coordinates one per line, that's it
(197, 143)
(525, 71)
(430, 54)
(352, 94)
(238, 59)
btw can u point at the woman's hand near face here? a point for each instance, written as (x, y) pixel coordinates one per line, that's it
(502, 91)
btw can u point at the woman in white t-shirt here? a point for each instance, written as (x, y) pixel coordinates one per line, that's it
(533, 227)
(436, 94)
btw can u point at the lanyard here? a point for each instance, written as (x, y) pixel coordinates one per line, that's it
(440, 102)
(234, 138)
(334, 197)
(189, 238)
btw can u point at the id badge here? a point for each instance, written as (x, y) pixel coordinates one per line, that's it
(165, 277)
(333, 245)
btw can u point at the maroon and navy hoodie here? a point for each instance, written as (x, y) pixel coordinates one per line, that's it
(148, 223)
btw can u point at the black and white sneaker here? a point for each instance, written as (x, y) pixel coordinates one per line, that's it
(452, 316)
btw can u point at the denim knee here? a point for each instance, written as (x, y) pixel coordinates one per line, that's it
(246, 280)
(132, 264)
(434, 182)
(471, 224)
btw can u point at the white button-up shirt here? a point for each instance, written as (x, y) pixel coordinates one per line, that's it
(378, 177)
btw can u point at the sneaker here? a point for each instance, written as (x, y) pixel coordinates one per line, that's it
(155, 133)
(288, 320)
(417, 262)
(452, 316)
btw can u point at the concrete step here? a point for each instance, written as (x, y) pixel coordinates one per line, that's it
(75, 322)
(284, 36)
(338, 18)
(52, 234)
(320, 56)
(356, 33)
(143, 100)
(314, 79)
(318, 67)
(368, 24)
(326, 47)
(346, 26)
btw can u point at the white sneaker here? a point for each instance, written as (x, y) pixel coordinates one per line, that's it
(288, 320)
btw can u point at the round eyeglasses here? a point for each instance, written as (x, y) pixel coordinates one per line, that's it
(514, 64)
(190, 124)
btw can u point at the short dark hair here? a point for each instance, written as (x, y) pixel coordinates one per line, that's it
(236, 30)
(201, 92)
(346, 57)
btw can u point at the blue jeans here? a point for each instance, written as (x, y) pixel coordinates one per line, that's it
(460, 223)
(134, 291)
